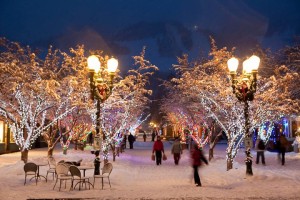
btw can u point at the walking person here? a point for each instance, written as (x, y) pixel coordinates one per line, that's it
(144, 136)
(282, 145)
(197, 159)
(158, 149)
(260, 150)
(90, 138)
(176, 150)
(131, 140)
(153, 135)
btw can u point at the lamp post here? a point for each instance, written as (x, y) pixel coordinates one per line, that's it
(244, 91)
(101, 87)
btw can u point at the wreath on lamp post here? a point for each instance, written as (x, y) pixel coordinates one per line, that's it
(102, 91)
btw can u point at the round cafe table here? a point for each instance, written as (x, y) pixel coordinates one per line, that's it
(84, 168)
(39, 164)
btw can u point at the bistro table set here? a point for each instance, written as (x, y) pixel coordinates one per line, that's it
(64, 171)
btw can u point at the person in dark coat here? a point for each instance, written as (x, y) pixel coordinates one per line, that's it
(97, 163)
(131, 140)
(260, 150)
(153, 135)
(197, 159)
(158, 149)
(144, 136)
(282, 145)
(90, 138)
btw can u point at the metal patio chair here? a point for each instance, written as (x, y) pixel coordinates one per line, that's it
(31, 169)
(76, 176)
(62, 171)
(106, 170)
(52, 167)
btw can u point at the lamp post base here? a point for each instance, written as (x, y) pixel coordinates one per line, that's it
(249, 168)
(248, 162)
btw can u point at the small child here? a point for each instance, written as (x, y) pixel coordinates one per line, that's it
(97, 163)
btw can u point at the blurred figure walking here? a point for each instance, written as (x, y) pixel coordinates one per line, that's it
(176, 150)
(197, 159)
(282, 146)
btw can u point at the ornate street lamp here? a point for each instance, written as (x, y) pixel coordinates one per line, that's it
(101, 88)
(244, 91)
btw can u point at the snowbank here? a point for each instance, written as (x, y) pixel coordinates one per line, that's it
(135, 176)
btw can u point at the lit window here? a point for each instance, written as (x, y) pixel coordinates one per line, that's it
(1, 131)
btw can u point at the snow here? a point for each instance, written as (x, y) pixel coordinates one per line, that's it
(135, 176)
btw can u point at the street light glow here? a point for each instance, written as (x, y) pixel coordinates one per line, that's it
(247, 68)
(112, 65)
(93, 63)
(254, 62)
(233, 64)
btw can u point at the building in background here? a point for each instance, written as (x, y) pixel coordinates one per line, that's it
(7, 143)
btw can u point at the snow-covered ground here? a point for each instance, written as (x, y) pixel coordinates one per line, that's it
(135, 176)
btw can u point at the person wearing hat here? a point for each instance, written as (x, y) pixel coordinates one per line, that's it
(158, 149)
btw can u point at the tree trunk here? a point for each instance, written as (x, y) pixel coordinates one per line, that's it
(114, 157)
(214, 143)
(229, 164)
(65, 150)
(75, 144)
(210, 154)
(113, 148)
(49, 137)
(50, 152)
(118, 151)
(24, 155)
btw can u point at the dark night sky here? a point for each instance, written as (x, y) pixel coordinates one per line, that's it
(123, 27)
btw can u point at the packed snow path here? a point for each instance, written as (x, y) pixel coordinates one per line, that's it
(135, 176)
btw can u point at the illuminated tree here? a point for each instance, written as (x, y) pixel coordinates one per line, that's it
(41, 85)
(65, 71)
(207, 83)
(27, 120)
(128, 102)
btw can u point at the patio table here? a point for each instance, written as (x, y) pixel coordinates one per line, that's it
(39, 164)
(84, 168)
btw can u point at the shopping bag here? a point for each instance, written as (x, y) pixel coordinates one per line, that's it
(153, 157)
(164, 157)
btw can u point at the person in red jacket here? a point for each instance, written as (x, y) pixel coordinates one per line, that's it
(197, 158)
(158, 148)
